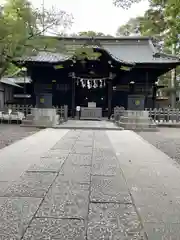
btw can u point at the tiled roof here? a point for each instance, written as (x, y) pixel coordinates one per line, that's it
(49, 57)
(10, 82)
(137, 49)
(124, 50)
(142, 52)
(116, 57)
(59, 57)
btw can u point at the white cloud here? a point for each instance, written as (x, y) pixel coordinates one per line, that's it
(97, 15)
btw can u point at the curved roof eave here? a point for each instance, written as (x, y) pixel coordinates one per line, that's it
(10, 82)
(55, 58)
(117, 59)
(172, 58)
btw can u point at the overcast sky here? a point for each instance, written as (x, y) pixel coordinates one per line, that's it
(97, 15)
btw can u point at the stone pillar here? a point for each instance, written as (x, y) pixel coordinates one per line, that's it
(65, 113)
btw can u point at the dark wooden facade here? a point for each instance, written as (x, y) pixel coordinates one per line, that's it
(52, 79)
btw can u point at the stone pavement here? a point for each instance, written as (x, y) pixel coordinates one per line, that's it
(153, 180)
(91, 125)
(87, 185)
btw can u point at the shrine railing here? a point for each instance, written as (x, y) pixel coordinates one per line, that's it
(25, 109)
(157, 115)
(168, 115)
(62, 111)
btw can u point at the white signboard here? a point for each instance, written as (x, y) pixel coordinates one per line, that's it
(78, 108)
(91, 104)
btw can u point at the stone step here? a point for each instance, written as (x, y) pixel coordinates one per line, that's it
(138, 127)
(138, 124)
(132, 120)
(29, 117)
(27, 122)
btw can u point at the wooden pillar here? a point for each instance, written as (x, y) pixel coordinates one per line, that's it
(73, 96)
(146, 89)
(109, 98)
(154, 96)
(53, 92)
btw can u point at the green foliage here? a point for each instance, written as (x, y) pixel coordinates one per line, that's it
(125, 4)
(86, 52)
(151, 24)
(132, 27)
(91, 34)
(161, 21)
(82, 52)
(22, 28)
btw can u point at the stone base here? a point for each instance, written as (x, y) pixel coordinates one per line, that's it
(90, 113)
(42, 117)
(138, 127)
(137, 121)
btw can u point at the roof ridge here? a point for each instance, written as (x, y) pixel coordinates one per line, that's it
(106, 38)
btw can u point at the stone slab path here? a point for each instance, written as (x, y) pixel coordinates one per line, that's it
(153, 180)
(87, 185)
(86, 124)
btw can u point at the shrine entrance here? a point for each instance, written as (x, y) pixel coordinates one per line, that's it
(93, 74)
(99, 96)
(91, 95)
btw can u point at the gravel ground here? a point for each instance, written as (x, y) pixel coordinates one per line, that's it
(10, 133)
(167, 140)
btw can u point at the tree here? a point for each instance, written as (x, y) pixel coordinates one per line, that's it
(172, 16)
(151, 24)
(161, 21)
(91, 34)
(132, 27)
(125, 3)
(21, 29)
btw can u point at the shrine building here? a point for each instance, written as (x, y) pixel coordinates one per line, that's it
(101, 72)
